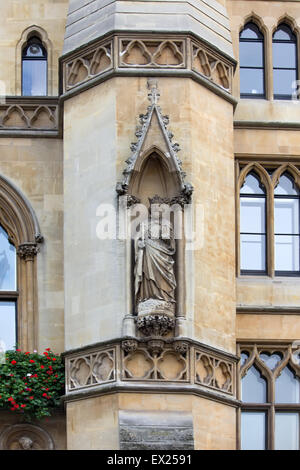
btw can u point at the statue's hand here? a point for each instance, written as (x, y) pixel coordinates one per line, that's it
(141, 244)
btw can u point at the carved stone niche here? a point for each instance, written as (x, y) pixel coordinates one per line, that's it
(25, 437)
(153, 178)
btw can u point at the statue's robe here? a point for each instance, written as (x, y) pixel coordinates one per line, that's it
(154, 270)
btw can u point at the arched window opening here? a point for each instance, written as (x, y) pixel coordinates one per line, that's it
(8, 292)
(253, 226)
(284, 62)
(34, 68)
(286, 227)
(252, 76)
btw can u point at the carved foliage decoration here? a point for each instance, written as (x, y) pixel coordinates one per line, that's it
(92, 369)
(213, 372)
(211, 66)
(173, 147)
(152, 53)
(89, 65)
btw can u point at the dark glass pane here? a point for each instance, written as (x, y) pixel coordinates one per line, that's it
(253, 430)
(34, 50)
(252, 185)
(251, 31)
(7, 263)
(271, 360)
(251, 54)
(254, 387)
(286, 431)
(8, 324)
(284, 33)
(287, 388)
(252, 81)
(286, 253)
(253, 252)
(284, 55)
(34, 77)
(252, 218)
(286, 187)
(284, 82)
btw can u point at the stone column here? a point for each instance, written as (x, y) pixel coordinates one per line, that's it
(28, 335)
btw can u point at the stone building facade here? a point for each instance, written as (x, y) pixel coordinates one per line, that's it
(192, 103)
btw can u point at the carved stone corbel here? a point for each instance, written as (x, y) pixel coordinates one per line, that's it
(129, 345)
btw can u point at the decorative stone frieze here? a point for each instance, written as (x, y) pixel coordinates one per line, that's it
(137, 53)
(151, 361)
(88, 65)
(29, 115)
(91, 369)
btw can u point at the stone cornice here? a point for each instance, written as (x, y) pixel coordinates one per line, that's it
(158, 54)
(30, 117)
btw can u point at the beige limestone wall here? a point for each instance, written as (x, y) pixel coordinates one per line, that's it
(93, 423)
(99, 128)
(19, 15)
(35, 167)
(268, 327)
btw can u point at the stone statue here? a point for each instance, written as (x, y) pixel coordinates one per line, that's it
(155, 281)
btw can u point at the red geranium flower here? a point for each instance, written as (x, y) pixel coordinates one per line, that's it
(13, 362)
(31, 360)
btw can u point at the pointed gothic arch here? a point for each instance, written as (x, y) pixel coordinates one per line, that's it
(18, 219)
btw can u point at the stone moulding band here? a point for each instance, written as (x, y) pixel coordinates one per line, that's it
(145, 54)
(172, 365)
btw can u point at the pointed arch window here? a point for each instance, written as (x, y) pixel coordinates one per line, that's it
(8, 291)
(284, 62)
(270, 411)
(286, 227)
(253, 226)
(252, 75)
(34, 68)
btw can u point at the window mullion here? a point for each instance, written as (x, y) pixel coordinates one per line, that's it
(270, 233)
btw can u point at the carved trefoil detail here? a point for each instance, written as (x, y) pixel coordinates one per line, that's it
(152, 53)
(214, 372)
(19, 114)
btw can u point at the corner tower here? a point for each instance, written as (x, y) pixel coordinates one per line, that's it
(161, 362)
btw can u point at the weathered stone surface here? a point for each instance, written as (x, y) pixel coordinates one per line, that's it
(88, 21)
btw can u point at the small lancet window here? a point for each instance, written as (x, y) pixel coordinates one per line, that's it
(8, 292)
(34, 68)
(286, 227)
(284, 62)
(253, 226)
(252, 75)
